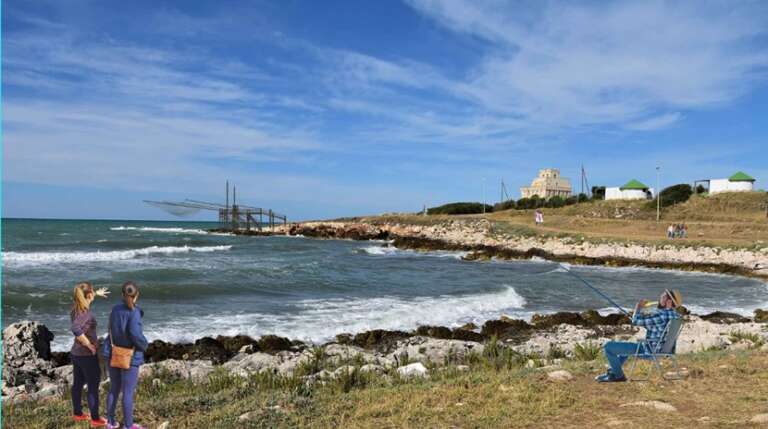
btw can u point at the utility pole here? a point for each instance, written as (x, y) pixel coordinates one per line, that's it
(658, 193)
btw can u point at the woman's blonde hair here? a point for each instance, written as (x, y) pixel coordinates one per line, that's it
(130, 292)
(80, 295)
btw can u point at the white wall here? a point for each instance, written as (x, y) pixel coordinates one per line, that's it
(627, 194)
(725, 185)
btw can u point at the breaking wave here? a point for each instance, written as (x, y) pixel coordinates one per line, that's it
(321, 320)
(45, 258)
(394, 251)
(156, 229)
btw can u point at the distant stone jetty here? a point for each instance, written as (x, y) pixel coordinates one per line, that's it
(478, 237)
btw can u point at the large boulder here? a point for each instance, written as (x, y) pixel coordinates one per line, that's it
(203, 349)
(761, 316)
(283, 363)
(196, 370)
(435, 332)
(423, 349)
(546, 321)
(378, 339)
(723, 317)
(273, 344)
(234, 344)
(337, 354)
(593, 318)
(506, 329)
(26, 357)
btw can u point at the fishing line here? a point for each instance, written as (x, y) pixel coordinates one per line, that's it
(596, 290)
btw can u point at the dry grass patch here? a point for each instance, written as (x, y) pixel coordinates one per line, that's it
(726, 388)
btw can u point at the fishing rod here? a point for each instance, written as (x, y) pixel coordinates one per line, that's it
(595, 289)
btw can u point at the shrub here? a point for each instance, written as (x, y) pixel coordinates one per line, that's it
(504, 205)
(555, 202)
(524, 204)
(460, 208)
(675, 194)
(598, 192)
(588, 351)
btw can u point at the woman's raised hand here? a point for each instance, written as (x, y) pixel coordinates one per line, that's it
(102, 292)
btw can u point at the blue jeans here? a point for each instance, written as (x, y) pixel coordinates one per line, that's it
(122, 381)
(85, 370)
(617, 353)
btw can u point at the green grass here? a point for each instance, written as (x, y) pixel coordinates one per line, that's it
(499, 390)
(587, 351)
(756, 340)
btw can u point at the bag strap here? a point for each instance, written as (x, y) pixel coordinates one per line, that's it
(109, 330)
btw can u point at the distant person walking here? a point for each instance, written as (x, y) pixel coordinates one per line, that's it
(85, 363)
(683, 231)
(125, 332)
(539, 218)
(671, 231)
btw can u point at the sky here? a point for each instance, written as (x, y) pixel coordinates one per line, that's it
(321, 109)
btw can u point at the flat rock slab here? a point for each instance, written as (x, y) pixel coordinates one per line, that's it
(759, 418)
(414, 370)
(656, 405)
(560, 375)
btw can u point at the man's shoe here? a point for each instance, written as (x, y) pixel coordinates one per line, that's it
(608, 377)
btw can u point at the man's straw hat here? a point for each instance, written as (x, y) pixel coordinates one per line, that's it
(676, 296)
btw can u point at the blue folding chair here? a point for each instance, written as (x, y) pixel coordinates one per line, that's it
(665, 348)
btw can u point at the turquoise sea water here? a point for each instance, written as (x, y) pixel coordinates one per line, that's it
(195, 284)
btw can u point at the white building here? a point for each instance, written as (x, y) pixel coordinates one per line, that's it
(739, 182)
(632, 190)
(548, 184)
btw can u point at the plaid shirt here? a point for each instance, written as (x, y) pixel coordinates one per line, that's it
(654, 324)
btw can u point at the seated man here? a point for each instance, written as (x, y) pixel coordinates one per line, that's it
(655, 323)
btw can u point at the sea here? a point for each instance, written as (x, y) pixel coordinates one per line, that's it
(194, 283)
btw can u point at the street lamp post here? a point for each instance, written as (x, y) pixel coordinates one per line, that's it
(658, 193)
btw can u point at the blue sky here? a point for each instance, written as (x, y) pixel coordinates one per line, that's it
(333, 108)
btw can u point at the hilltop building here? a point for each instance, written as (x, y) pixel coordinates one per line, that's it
(739, 182)
(632, 190)
(548, 184)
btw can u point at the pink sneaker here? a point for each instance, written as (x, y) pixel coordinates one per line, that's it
(112, 426)
(135, 426)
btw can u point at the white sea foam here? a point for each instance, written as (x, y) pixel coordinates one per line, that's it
(394, 251)
(46, 258)
(156, 229)
(321, 320)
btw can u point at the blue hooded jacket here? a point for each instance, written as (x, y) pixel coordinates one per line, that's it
(125, 325)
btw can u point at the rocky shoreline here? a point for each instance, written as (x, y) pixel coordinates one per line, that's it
(32, 371)
(482, 242)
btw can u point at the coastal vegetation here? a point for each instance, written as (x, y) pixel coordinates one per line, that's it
(460, 208)
(494, 389)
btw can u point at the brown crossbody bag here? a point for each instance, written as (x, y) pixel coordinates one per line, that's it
(121, 356)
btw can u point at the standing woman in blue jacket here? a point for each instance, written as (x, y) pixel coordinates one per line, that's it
(125, 331)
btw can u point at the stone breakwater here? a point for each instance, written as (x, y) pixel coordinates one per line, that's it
(32, 371)
(483, 241)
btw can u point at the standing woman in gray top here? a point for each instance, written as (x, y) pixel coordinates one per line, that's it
(83, 353)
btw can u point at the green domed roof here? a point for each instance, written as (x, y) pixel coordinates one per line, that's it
(634, 184)
(740, 176)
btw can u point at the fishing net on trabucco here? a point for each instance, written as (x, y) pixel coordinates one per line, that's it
(175, 209)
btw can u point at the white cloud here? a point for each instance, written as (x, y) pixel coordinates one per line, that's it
(559, 64)
(656, 122)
